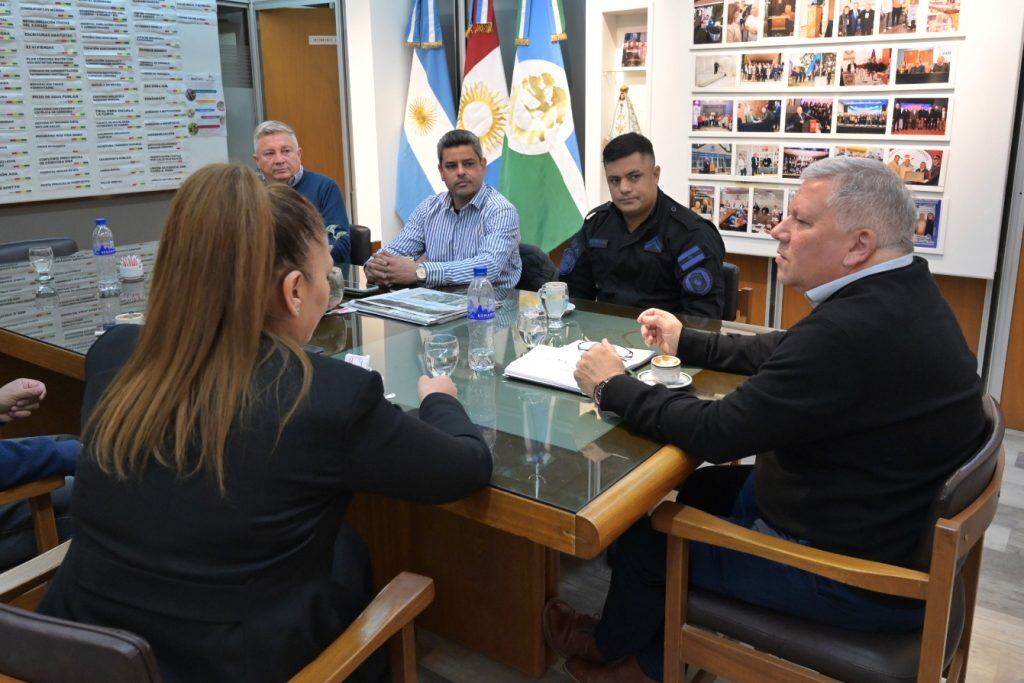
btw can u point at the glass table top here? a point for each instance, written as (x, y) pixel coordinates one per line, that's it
(549, 445)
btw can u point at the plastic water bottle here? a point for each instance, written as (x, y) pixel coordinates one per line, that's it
(106, 259)
(480, 312)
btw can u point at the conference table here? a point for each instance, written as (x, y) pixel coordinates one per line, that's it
(567, 477)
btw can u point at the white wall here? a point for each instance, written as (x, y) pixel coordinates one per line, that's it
(378, 77)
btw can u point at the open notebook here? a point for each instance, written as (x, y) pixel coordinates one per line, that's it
(553, 366)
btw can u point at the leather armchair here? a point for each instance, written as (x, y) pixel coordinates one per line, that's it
(48, 650)
(742, 642)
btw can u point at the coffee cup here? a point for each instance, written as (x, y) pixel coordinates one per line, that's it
(665, 369)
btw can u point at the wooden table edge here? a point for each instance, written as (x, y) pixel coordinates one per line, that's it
(43, 354)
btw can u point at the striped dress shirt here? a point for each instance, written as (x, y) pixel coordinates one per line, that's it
(485, 232)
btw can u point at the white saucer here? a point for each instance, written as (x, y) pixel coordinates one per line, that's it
(647, 377)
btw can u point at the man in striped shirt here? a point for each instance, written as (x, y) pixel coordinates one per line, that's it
(448, 234)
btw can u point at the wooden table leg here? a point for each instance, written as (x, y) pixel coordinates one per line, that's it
(491, 586)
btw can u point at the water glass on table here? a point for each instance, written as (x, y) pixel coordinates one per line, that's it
(442, 354)
(41, 259)
(532, 326)
(555, 296)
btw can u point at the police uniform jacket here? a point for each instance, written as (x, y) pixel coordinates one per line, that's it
(672, 261)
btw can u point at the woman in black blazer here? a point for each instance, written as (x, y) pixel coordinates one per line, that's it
(219, 457)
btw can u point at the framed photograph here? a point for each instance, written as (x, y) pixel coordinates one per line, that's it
(862, 116)
(796, 159)
(714, 69)
(857, 18)
(865, 68)
(815, 18)
(757, 161)
(924, 65)
(943, 16)
(762, 68)
(712, 158)
(712, 116)
(743, 21)
(734, 209)
(916, 166)
(898, 16)
(780, 19)
(929, 217)
(766, 210)
(812, 69)
(634, 49)
(702, 201)
(758, 116)
(860, 152)
(920, 115)
(809, 115)
(708, 21)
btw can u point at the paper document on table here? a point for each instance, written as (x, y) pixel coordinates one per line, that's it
(420, 306)
(554, 366)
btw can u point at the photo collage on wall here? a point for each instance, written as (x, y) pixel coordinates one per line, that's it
(780, 84)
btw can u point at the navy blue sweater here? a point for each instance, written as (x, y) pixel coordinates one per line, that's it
(34, 458)
(326, 197)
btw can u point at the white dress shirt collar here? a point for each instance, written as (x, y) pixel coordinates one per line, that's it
(822, 292)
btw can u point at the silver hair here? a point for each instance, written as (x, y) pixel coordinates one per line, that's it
(272, 128)
(867, 194)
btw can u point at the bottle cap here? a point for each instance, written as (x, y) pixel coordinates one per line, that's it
(479, 271)
(101, 221)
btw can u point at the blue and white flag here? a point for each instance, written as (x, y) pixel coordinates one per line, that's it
(429, 110)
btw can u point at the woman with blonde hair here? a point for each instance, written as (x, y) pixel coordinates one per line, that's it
(219, 457)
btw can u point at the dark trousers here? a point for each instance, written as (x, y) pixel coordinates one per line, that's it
(633, 619)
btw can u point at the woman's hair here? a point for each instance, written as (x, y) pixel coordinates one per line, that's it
(226, 244)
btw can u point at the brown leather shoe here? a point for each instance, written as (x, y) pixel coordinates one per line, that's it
(570, 633)
(623, 671)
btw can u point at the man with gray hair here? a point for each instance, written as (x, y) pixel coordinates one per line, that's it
(857, 413)
(450, 233)
(279, 158)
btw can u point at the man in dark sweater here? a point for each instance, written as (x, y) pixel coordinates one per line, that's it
(279, 157)
(859, 412)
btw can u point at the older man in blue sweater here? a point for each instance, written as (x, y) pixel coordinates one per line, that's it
(279, 157)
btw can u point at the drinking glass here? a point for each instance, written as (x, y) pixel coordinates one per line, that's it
(555, 296)
(41, 259)
(442, 352)
(532, 326)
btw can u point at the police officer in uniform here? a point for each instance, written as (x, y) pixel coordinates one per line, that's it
(643, 248)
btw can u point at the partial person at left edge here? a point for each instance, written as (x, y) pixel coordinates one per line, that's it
(278, 156)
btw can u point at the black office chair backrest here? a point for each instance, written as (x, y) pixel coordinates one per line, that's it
(968, 481)
(731, 277)
(13, 252)
(43, 649)
(360, 236)
(538, 268)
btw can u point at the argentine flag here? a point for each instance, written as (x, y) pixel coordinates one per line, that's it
(483, 108)
(429, 110)
(542, 174)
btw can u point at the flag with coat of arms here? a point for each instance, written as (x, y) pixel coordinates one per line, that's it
(483, 107)
(429, 110)
(542, 174)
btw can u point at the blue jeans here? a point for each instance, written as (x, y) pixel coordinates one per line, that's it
(633, 619)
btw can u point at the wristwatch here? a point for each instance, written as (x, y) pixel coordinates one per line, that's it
(421, 273)
(597, 392)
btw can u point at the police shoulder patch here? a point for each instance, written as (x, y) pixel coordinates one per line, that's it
(569, 259)
(698, 281)
(654, 245)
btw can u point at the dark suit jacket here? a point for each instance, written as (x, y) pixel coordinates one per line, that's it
(237, 587)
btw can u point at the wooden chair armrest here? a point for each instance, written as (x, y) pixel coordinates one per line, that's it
(31, 489)
(37, 571)
(401, 601)
(696, 525)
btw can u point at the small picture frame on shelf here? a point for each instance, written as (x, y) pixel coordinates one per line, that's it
(920, 116)
(634, 49)
(758, 115)
(924, 65)
(734, 209)
(856, 18)
(795, 159)
(711, 158)
(811, 69)
(928, 226)
(714, 70)
(809, 115)
(708, 21)
(916, 166)
(866, 67)
(702, 200)
(862, 115)
(766, 210)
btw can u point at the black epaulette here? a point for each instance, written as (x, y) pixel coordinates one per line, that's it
(684, 216)
(603, 208)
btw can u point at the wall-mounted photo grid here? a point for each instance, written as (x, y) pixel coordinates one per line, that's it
(780, 84)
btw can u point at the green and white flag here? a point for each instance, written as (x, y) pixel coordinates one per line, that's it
(541, 171)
